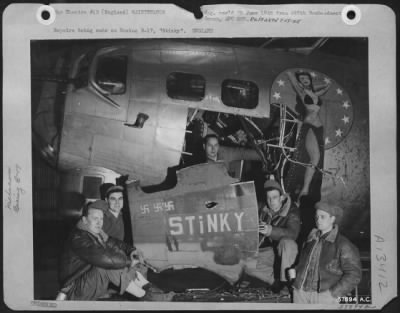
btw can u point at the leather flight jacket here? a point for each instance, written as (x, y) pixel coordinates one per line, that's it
(285, 224)
(339, 266)
(84, 250)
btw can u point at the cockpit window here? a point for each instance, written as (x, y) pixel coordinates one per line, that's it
(111, 74)
(239, 94)
(185, 86)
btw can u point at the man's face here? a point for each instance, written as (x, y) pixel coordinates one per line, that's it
(115, 202)
(94, 220)
(212, 147)
(324, 221)
(274, 200)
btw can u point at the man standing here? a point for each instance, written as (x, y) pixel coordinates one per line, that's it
(279, 228)
(113, 220)
(329, 265)
(92, 259)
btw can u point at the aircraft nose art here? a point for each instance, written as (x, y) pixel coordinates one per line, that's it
(206, 221)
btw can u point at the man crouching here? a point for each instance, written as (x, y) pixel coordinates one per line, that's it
(91, 260)
(279, 228)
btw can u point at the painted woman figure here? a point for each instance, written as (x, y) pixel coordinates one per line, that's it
(308, 106)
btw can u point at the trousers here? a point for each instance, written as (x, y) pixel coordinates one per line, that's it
(279, 259)
(313, 297)
(94, 283)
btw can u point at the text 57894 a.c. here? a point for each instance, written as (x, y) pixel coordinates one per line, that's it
(354, 300)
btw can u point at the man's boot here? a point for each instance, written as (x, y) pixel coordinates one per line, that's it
(61, 296)
(277, 286)
(280, 287)
(156, 294)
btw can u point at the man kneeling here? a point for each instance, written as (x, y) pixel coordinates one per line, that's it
(279, 228)
(91, 260)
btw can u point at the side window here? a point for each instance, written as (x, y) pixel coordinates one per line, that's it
(91, 186)
(111, 74)
(239, 94)
(184, 86)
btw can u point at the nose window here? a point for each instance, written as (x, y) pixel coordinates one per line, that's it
(111, 74)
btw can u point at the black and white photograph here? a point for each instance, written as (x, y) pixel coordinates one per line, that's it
(200, 169)
(225, 164)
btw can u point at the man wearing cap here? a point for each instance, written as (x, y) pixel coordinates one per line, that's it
(279, 228)
(103, 190)
(329, 266)
(92, 259)
(113, 221)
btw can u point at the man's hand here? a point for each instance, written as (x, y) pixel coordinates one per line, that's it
(137, 255)
(265, 229)
(134, 262)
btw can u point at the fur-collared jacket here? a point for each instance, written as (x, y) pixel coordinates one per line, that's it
(285, 224)
(83, 250)
(339, 265)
